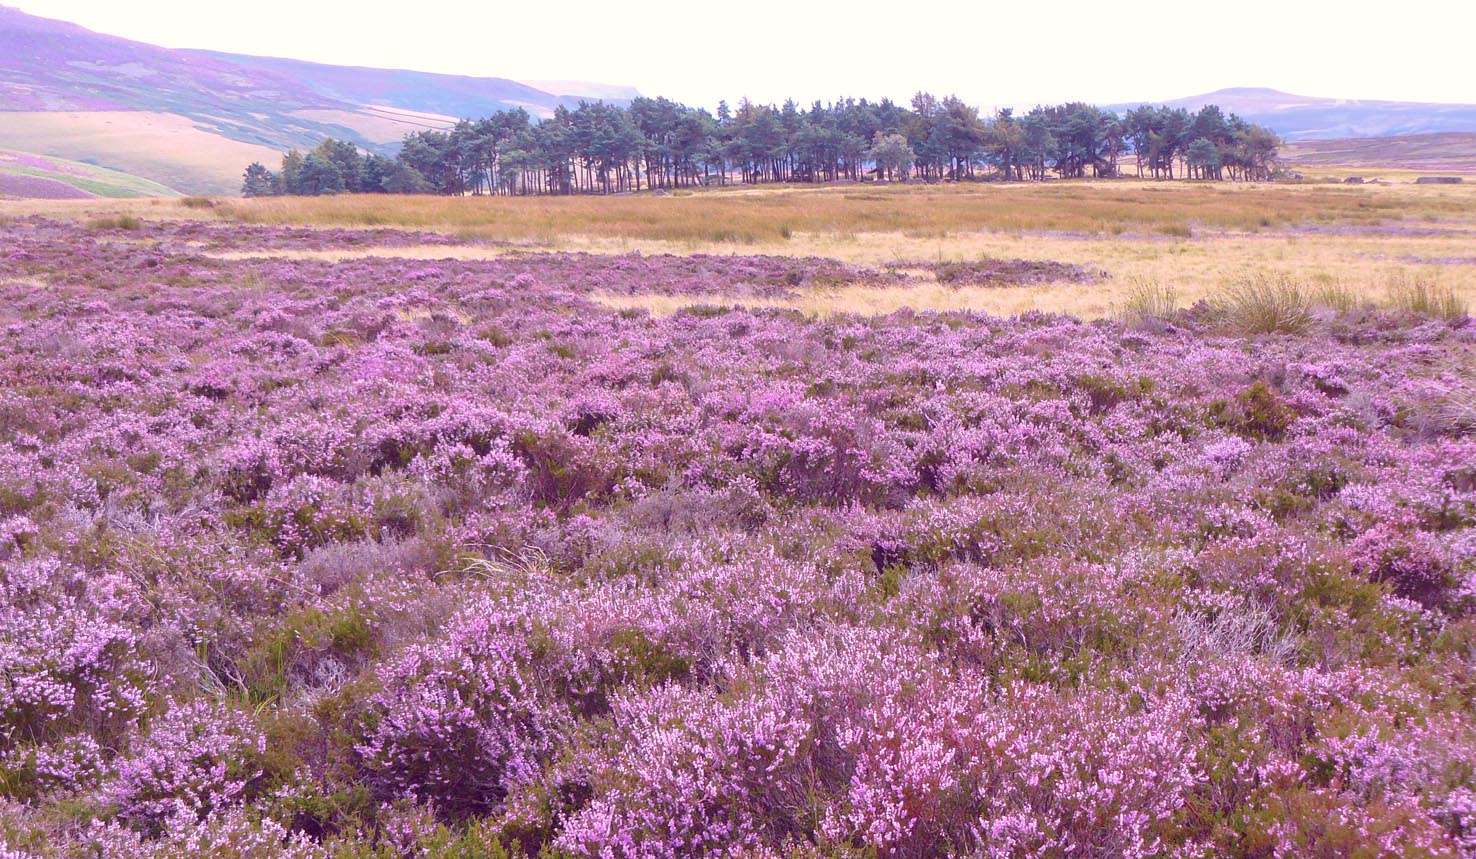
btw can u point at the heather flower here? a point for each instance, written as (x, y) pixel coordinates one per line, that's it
(223, 834)
(196, 758)
(463, 721)
(487, 557)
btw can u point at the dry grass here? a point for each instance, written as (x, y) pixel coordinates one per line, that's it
(768, 215)
(1338, 297)
(1458, 409)
(1344, 245)
(860, 299)
(116, 222)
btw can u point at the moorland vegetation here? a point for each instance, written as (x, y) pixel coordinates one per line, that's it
(344, 543)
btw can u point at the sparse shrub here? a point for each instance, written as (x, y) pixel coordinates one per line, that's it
(1413, 564)
(562, 468)
(1255, 412)
(311, 511)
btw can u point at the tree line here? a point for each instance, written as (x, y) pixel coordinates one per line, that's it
(655, 143)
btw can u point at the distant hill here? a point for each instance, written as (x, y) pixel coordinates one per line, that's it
(1297, 117)
(166, 114)
(421, 92)
(588, 90)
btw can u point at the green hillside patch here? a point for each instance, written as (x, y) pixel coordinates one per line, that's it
(86, 179)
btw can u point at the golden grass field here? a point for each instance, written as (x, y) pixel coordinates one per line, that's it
(1193, 238)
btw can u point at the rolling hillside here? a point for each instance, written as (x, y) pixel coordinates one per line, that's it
(420, 92)
(33, 176)
(190, 119)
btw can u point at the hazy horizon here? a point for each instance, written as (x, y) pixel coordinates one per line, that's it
(778, 51)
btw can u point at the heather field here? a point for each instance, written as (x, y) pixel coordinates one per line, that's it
(731, 526)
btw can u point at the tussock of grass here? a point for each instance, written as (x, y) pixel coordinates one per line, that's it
(1420, 295)
(1263, 303)
(116, 222)
(1458, 410)
(1338, 297)
(1147, 303)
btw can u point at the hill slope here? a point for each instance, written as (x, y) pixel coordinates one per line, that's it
(422, 92)
(1453, 152)
(167, 148)
(25, 175)
(1297, 117)
(64, 90)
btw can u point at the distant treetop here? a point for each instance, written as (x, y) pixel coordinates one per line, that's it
(655, 143)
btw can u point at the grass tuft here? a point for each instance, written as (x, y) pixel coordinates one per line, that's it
(1422, 296)
(1148, 304)
(1267, 304)
(1338, 297)
(116, 222)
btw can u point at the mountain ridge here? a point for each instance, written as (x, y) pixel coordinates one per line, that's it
(1300, 117)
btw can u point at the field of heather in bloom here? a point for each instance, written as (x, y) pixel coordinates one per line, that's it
(379, 557)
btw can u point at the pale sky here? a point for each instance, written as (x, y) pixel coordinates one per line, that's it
(992, 54)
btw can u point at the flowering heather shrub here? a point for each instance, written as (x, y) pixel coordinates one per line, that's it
(1414, 564)
(72, 678)
(229, 834)
(196, 758)
(463, 722)
(403, 558)
(310, 511)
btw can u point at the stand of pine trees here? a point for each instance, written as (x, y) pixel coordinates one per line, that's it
(599, 148)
